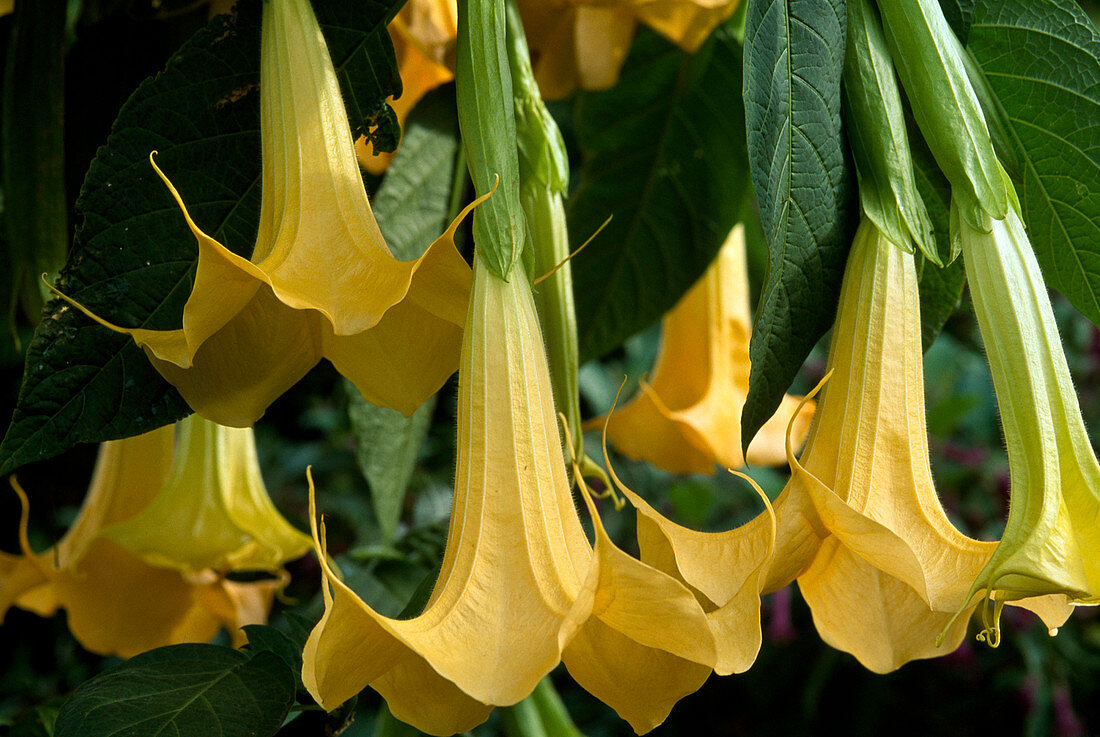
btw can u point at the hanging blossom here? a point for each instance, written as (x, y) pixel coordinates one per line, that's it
(321, 281)
(1049, 543)
(122, 601)
(1046, 548)
(689, 417)
(878, 561)
(583, 43)
(520, 587)
(213, 511)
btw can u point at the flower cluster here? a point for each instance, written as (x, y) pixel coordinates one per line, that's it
(522, 588)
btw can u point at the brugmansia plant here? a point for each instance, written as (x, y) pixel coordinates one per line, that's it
(816, 236)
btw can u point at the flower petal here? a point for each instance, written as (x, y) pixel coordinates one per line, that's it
(881, 620)
(213, 511)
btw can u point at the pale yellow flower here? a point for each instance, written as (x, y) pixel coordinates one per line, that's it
(689, 416)
(1052, 534)
(213, 510)
(520, 587)
(116, 603)
(881, 566)
(321, 281)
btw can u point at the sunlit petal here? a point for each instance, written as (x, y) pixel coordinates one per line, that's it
(520, 588)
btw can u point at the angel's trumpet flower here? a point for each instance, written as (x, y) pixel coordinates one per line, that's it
(1053, 530)
(520, 587)
(321, 281)
(117, 603)
(583, 43)
(689, 417)
(423, 35)
(882, 567)
(213, 511)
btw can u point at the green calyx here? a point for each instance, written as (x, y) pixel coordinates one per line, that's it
(930, 63)
(887, 188)
(486, 117)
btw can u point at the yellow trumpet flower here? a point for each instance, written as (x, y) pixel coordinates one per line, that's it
(117, 603)
(583, 43)
(878, 561)
(213, 510)
(1050, 540)
(689, 417)
(520, 587)
(423, 36)
(321, 281)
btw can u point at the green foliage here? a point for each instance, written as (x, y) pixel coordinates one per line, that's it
(412, 204)
(193, 690)
(488, 122)
(1041, 61)
(802, 174)
(133, 258)
(412, 209)
(32, 153)
(288, 648)
(959, 14)
(876, 131)
(664, 154)
(386, 446)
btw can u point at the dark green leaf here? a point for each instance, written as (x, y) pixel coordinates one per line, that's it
(265, 638)
(299, 626)
(33, 151)
(959, 14)
(940, 288)
(794, 53)
(133, 257)
(1041, 60)
(36, 722)
(192, 690)
(411, 205)
(664, 154)
(386, 446)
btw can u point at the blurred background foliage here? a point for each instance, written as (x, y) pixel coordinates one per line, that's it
(1032, 685)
